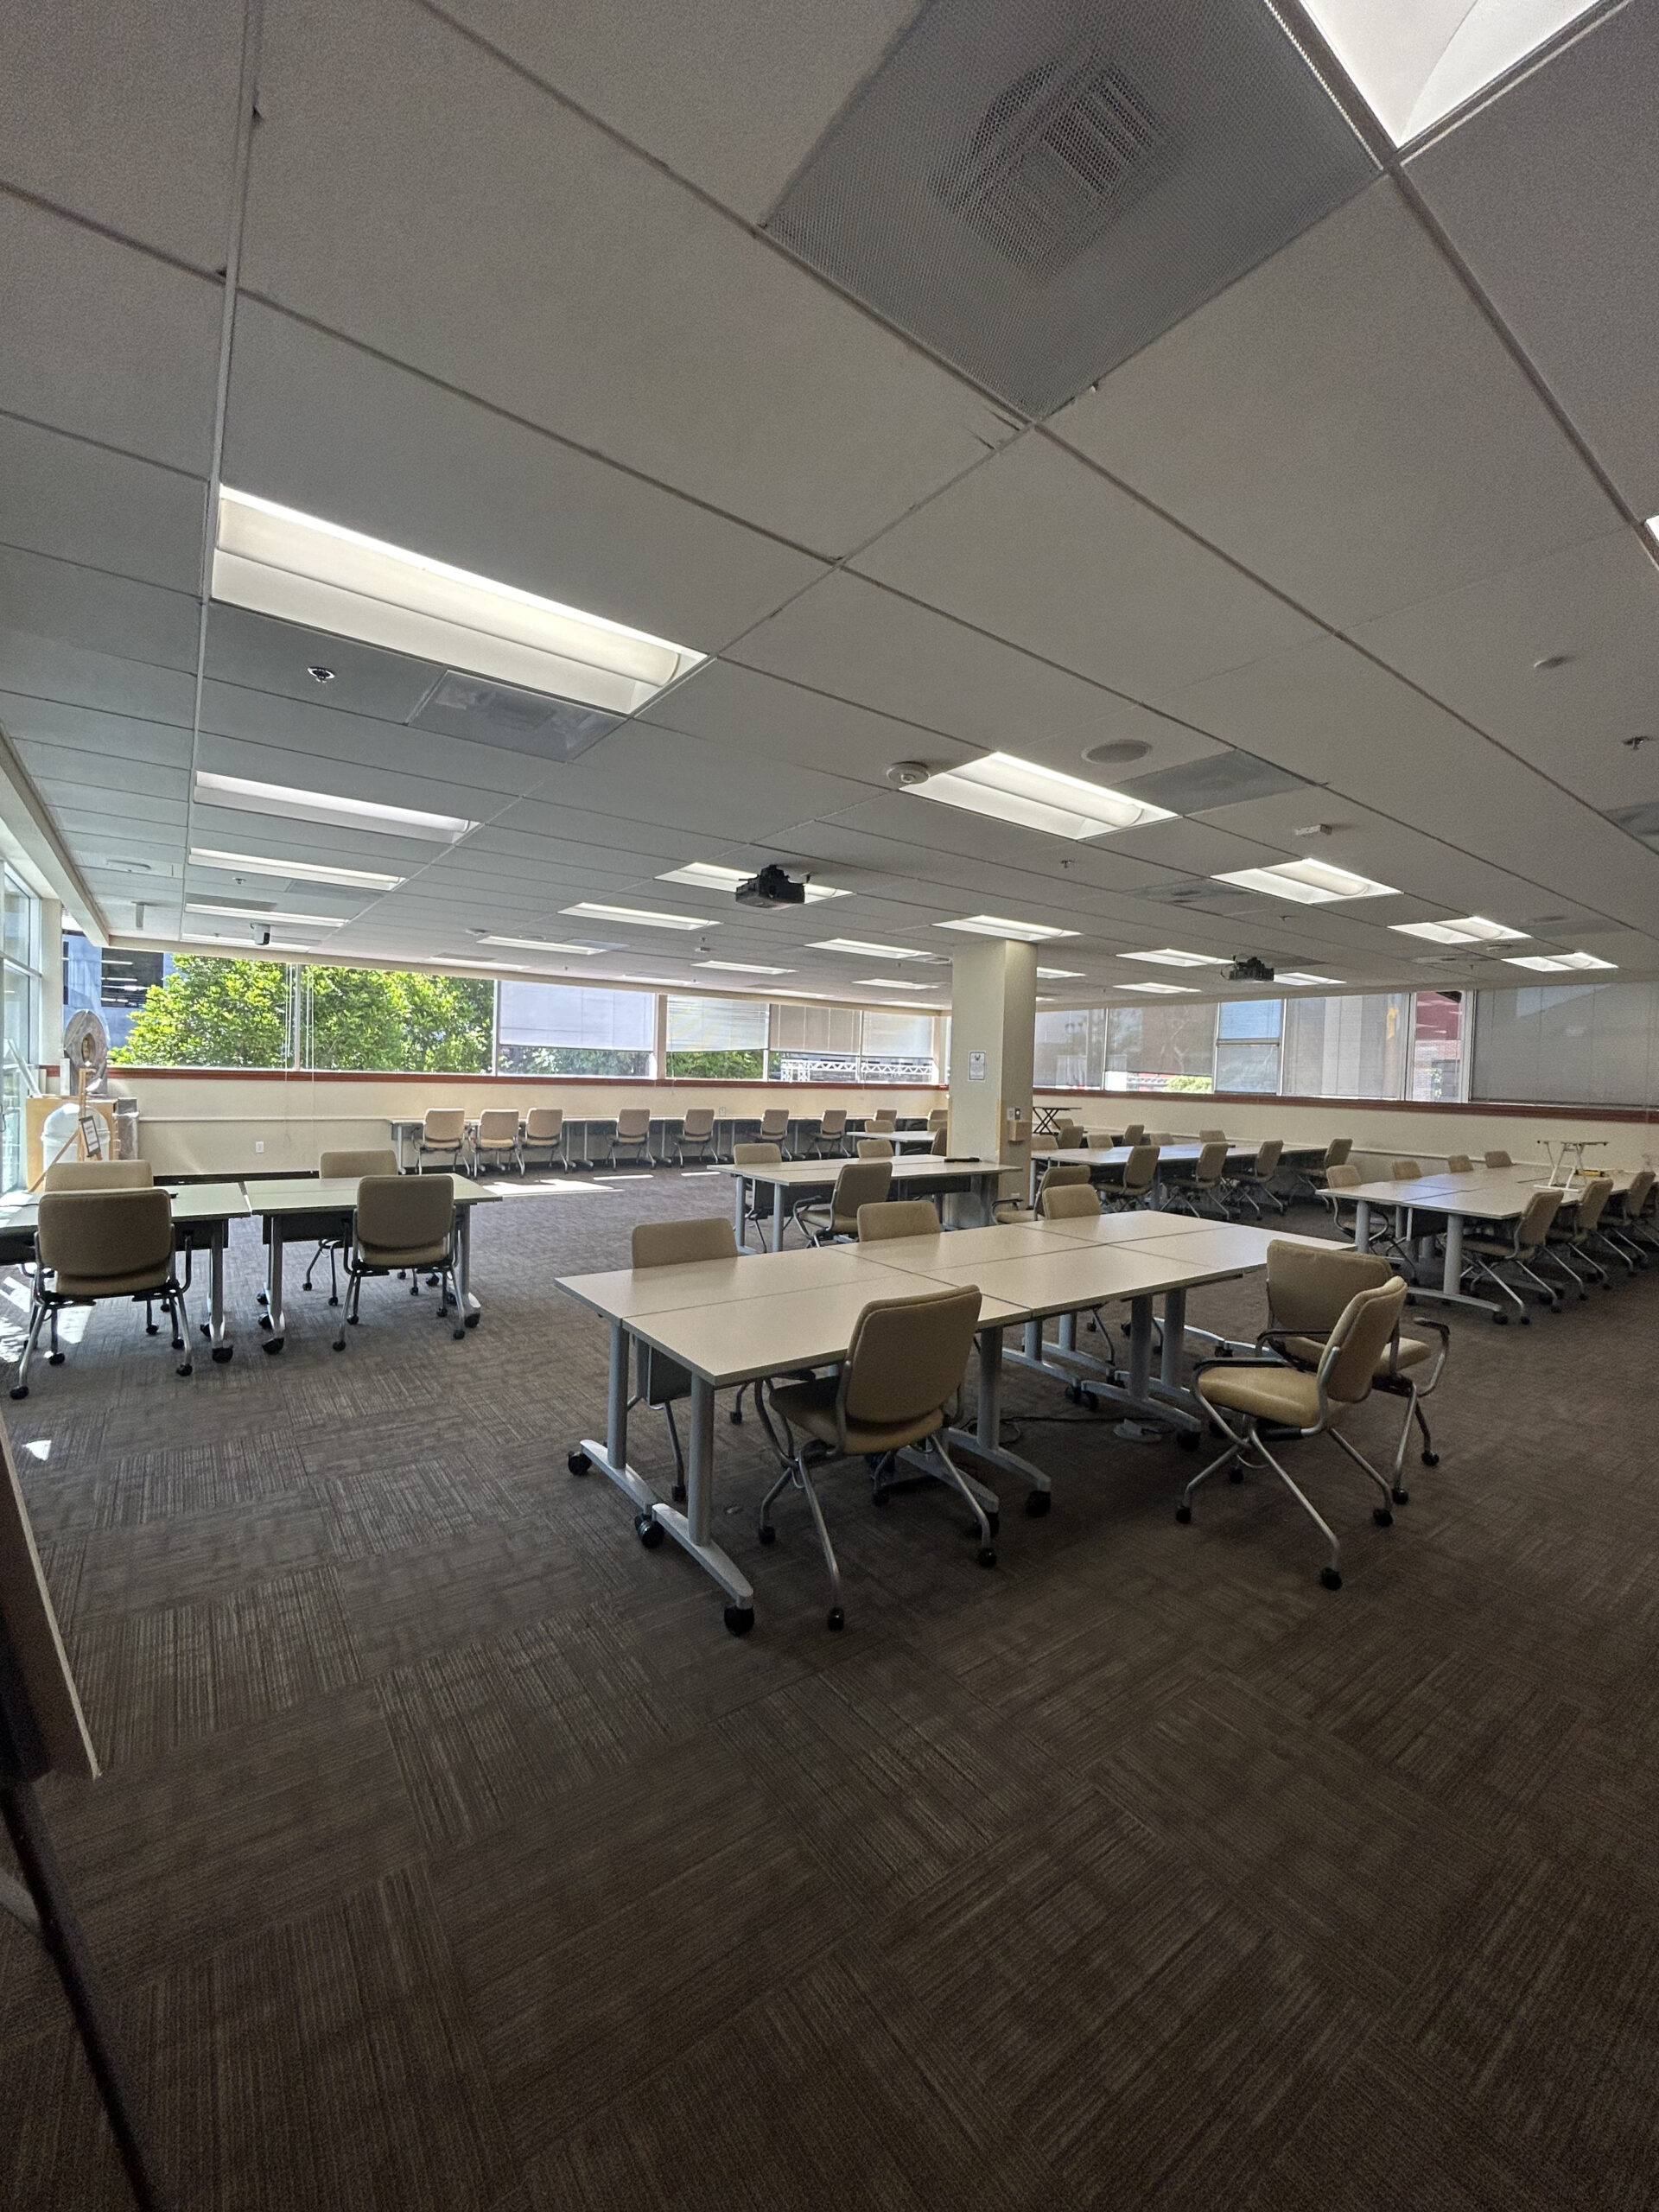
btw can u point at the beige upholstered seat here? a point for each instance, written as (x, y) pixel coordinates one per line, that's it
(1488, 1246)
(99, 1175)
(861, 1183)
(774, 1124)
(696, 1131)
(1139, 1175)
(1059, 1174)
(495, 1138)
(347, 1166)
(1135, 1133)
(676, 1244)
(1498, 1160)
(875, 1148)
(1191, 1188)
(1212, 1136)
(886, 1118)
(444, 1133)
(402, 1223)
(1069, 1136)
(1623, 1219)
(1253, 1183)
(1576, 1227)
(1314, 1179)
(897, 1217)
(659, 1382)
(1405, 1171)
(939, 1118)
(1458, 1163)
(1314, 1404)
(544, 1132)
(631, 1136)
(1068, 1201)
(755, 1155)
(941, 1144)
(832, 1132)
(102, 1243)
(904, 1366)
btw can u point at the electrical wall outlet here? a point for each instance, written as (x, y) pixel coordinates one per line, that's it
(258, 1144)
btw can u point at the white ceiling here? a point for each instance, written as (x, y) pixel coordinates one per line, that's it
(504, 298)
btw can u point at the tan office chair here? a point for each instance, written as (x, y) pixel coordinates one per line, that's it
(1312, 1404)
(1058, 1175)
(1458, 1163)
(341, 1167)
(886, 1118)
(1140, 1180)
(1135, 1134)
(1068, 1201)
(697, 1130)
(1070, 1136)
(402, 1223)
(631, 1138)
(1405, 1171)
(1308, 1293)
(774, 1125)
(443, 1131)
(1313, 1180)
(1577, 1226)
(93, 1244)
(941, 1144)
(903, 1368)
(658, 1380)
(890, 1218)
(875, 1148)
(1253, 1185)
(861, 1183)
(495, 1140)
(1191, 1188)
(756, 1155)
(1212, 1136)
(98, 1175)
(1498, 1160)
(831, 1139)
(939, 1118)
(1623, 1219)
(1489, 1246)
(544, 1132)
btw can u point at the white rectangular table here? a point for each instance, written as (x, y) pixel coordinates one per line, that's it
(795, 1180)
(301, 1207)
(1479, 1194)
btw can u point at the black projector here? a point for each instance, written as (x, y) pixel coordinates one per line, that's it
(772, 887)
(1247, 968)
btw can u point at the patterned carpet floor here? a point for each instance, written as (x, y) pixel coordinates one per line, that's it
(452, 1855)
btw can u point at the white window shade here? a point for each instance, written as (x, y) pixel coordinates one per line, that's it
(572, 1014)
(889, 1035)
(1568, 1042)
(717, 1025)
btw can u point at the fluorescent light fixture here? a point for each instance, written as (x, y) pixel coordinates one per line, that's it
(1012, 790)
(646, 917)
(225, 941)
(357, 879)
(1169, 958)
(1059, 975)
(1559, 964)
(867, 951)
(1297, 975)
(302, 569)
(541, 945)
(1414, 65)
(1473, 929)
(294, 805)
(270, 914)
(658, 983)
(743, 966)
(891, 983)
(999, 925)
(712, 878)
(1164, 991)
(1310, 883)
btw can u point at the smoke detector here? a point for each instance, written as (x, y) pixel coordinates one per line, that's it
(1116, 752)
(905, 773)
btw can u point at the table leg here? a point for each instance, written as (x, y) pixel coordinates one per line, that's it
(470, 1308)
(1132, 1430)
(776, 1216)
(984, 1440)
(1068, 1332)
(611, 1458)
(274, 1319)
(1169, 1370)
(690, 1529)
(1452, 1272)
(1362, 1225)
(219, 1335)
(740, 1186)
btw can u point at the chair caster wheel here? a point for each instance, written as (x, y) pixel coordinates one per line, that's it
(835, 1620)
(56, 1359)
(185, 1367)
(740, 1619)
(473, 1320)
(736, 1416)
(578, 1462)
(1500, 1320)
(1188, 1440)
(1401, 1496)
(272, 1344)
(1328, 1578)
(1073, 1395)
(1382, 1516)
(1223, 1351)
(339, 1345)
(1037, 1504)
(988, 1554)
(1526, 1320)
(1235, 1474)
(333, 1301)
(1091, 1401)
(19, 1390)
(222, 1354)
(152, 1328)
(677, 1495)
(768, 1534)
(1431, 1459)
(1545, 1298)
(649, 1531)
(1183, 1514)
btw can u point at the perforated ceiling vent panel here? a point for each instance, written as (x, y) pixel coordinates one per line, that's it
(1218, 779)
(482, 713)
(1036, 189)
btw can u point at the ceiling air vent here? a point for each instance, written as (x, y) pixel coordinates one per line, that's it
(1056, 156)
(481, 713)
(1640, 821)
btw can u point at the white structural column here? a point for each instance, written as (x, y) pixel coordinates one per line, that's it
(992, 1034)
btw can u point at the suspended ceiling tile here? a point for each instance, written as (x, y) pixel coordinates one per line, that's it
(577, 285)
(732, 97)
(255, 652)
(49, 669)
(320, 425)
(83, 503)
(64, 294)
(1345, 424)
(1551, 194)
(112, 614)
(784, 722)
(76, 729)
(1036, 547)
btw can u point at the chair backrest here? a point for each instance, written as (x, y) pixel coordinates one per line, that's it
(886, 1118)
(874, 1148)
(1637, 1197)
(1533, 1225)
(1133, 1134)
(499, 1125)
(1458, 1163)
(1212, 1164)
(1338, 1150)
(1069, 1136)
(1308, 1290)
(757, 1155)
(1210, 1136)
(1068, 1201)
(670, 1244)
(1060, 1172)
(897, 1217)
(1359, 1339)
(101, 1175)
(774, 1123)
(404, 1213)
(351, 1166)
(941, 1143)
(109, 1233)
(907, 1355)
(1592, 1202)
(1267, 1159)
(1342, 1176)
(939, 1118)
(544, 1124)
(832, 1121)
(699, 1122)
(444, 1125)
(633, 1123)
(1498, 1160)
(1405, 1171)
(861, 1183)
(1140, 1168)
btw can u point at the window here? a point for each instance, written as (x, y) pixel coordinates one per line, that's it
(20, 1023)
(1568, 1044)
(896, 1047)
(1070, 1048)
(1437, 1045)
(717, 1038)
(1347, 1047)
(844, 1044)
(1161, 1048)
(574, 1029)
(1247, 1044)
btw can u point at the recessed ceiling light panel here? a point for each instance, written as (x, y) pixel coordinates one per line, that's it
(270, 914)
(1169, 958)
(544, 944)
(646, 917)
(893, 983)
(358, 879)
(866, 950)
(999, 925)
(1162, 990)
(743, 968)
(1310, 883)
(1557, 963)
(1414, 65)
(247, 796)
(1472, 928)
(1300, 975)
(1012, 790)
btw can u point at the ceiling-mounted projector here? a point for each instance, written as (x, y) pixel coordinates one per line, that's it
(772, 887)
(1247, 968)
